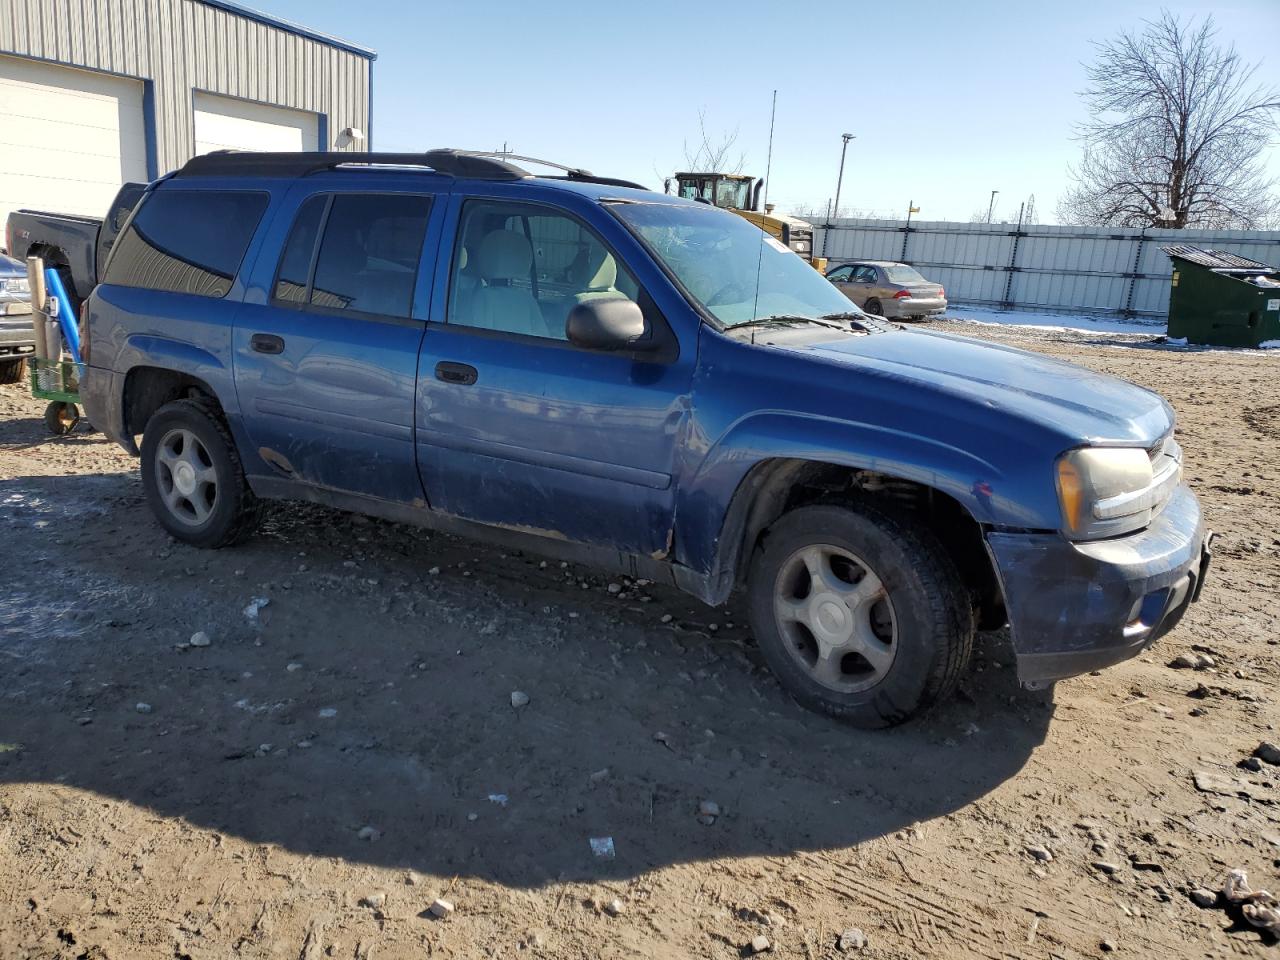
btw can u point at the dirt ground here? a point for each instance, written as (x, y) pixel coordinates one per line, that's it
(308, 784)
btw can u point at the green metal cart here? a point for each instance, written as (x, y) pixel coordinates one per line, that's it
(57, 381)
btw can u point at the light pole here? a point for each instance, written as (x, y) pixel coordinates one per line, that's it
(992, 205)
(844, 147)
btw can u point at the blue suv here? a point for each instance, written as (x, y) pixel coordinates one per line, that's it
(576, 366)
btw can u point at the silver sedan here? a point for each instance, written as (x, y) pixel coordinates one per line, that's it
(889, 289)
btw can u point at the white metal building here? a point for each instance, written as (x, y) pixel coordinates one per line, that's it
(94, 93)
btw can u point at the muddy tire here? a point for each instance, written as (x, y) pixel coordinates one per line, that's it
(861, 614)
(12, 371)
(192, 476)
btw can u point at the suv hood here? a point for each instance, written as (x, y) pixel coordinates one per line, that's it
(1088, 406)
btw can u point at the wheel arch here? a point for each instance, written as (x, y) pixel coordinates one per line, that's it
(147, 388)
(946, 487)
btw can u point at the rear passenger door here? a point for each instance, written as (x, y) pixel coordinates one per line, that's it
(326, 348)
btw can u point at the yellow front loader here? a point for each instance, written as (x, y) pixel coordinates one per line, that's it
(741, 194)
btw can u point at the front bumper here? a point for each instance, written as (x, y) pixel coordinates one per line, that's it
(1077, 607)
(912, 307)
(17, 338)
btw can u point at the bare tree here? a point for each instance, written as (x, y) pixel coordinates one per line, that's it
(713, 153)
(1176, 128)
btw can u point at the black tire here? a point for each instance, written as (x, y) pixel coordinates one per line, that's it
(874, 308)
(61, 418)
(930, 607)
(13, 371)
(234, 512)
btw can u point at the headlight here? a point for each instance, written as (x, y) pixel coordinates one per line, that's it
(17, 285)
(1109, 491)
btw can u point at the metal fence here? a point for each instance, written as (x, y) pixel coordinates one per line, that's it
(1099, 270)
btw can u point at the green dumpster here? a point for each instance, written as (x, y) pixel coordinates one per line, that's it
(1222, 299)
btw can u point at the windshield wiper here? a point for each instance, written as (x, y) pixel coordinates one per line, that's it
(865, 320)
(791, 318)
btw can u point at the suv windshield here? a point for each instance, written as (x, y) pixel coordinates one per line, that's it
(717, 256)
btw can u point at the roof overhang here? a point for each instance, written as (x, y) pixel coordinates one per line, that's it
(290, 27)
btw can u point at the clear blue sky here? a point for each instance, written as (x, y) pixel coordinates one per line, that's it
(949, 100)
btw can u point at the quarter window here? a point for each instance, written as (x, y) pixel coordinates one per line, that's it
(521, 268)
(187, 241)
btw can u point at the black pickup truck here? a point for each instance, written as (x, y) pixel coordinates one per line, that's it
(74, 246)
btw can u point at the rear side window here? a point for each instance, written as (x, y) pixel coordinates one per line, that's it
(367, 257)
(187, 241)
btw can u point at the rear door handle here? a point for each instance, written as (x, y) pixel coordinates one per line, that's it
(451, 372)
(266, 343)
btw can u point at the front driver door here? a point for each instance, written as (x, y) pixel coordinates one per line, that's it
(519, 428)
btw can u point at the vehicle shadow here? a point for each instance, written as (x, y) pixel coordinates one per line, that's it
(365, 712)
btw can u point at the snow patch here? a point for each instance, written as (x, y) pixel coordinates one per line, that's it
(1054, 321)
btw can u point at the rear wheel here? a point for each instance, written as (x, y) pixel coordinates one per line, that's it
(192, 476)
(874, 308)
(12, 371)
(860, 614)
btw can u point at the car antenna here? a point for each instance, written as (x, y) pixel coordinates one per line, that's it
(768, 168)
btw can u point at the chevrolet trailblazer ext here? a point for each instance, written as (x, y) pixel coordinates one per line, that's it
(579, 367)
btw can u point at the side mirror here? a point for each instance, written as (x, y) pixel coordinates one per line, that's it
(608, 323)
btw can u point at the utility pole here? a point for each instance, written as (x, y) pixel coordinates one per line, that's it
(911, 208)
(992, 205)
(844, 147)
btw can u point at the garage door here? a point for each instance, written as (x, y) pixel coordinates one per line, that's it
(223, 123)
(68, 138)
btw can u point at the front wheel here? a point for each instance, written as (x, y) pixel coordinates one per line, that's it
(192, 477)
(860, 614)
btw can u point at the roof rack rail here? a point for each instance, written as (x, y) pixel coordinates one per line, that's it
(453, 163)
(472, 164)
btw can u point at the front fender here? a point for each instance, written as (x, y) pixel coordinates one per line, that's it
(703, 515)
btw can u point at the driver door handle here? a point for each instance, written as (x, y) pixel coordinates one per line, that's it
(461, 373)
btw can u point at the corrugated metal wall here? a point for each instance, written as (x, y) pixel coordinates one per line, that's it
(1076, 269)
(185, 45)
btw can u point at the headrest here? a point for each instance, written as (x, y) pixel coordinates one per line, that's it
(602, 268)
(504, 255)
(463, 258)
